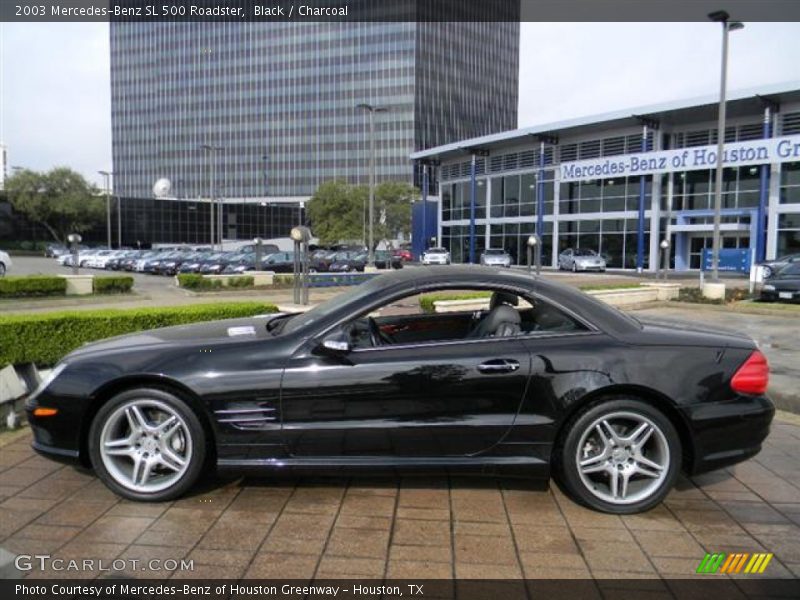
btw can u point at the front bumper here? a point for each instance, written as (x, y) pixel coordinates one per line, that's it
(775, 295)
(728, 432)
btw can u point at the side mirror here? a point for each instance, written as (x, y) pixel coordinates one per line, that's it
(336, 344)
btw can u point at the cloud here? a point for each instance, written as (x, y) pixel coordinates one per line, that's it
(56, 92)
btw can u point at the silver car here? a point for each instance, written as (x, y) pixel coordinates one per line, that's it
(436, 256)
(581, 259)
(496, 257)
(5, 262)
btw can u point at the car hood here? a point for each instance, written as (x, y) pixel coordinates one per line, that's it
(245, 328)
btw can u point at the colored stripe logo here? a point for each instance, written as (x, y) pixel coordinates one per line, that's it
(736, 562)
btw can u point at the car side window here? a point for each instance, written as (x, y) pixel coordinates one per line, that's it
(452, 315)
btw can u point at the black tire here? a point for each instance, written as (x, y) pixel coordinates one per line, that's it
(2, 269)
(565, 455)
(574, 268)
(195, 430)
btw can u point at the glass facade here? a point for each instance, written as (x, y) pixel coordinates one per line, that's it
(279, 100)
(602, 214)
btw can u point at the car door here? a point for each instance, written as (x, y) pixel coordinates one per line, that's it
(435, 399)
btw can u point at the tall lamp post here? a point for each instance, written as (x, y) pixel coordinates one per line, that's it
(371, 110)
(721, 17)
(107, 187)
(212, 152)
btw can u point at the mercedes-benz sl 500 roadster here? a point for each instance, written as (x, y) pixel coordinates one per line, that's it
(471, 369)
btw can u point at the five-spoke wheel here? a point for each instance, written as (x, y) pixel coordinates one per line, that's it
(147, 444)
(620, 456)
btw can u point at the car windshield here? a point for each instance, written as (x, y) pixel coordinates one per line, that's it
(585, 252)
(788, 258)
(436, 250)
(494, 252)
(321, 311)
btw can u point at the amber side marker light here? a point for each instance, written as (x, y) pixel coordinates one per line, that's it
(753, 376)
(45, 412)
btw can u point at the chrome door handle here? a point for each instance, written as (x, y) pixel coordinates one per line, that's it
(501, 365)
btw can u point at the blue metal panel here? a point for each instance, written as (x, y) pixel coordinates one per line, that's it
(760, 240)
(424, 226)
(473, 196)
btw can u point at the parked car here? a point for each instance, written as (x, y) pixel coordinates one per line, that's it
(279, 262)
(349, 262)
(404, 254)
(5, 263)
(385, 260)
(771, 267)
(320, 260)
(216, 263)
(194, 263)
(495, 257)
(611, 424)
(783, 285)
(265, 249)
(436, 256)
(581, 259)
(55, 250)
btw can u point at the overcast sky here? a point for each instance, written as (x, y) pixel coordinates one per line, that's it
(55, 106)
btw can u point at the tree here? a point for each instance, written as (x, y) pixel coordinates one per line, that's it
(61, 200)
(337, 211)
(393, 200)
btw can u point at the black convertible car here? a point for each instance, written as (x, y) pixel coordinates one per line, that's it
(543, 381)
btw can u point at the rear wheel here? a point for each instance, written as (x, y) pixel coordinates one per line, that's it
(147, 444)
(574, 267)
(2, 269)
(619, 456)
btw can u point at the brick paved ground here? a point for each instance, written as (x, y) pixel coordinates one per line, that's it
(422, 528)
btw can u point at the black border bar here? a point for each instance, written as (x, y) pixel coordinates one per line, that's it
(153, 11)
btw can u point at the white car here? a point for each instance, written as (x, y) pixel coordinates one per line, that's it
(436, 256)
(5, 263)
(581, 259)
(495, 257)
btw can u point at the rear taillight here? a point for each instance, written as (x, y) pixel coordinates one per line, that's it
(753, 376)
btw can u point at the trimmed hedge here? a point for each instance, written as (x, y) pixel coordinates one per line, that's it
(114, 284)
(241, 282)
(44, 339)
(426, 300)
(195, 281)
(32, 285)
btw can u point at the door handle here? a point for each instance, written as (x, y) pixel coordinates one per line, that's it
(500, 365)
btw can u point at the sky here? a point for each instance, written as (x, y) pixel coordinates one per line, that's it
(55, 96)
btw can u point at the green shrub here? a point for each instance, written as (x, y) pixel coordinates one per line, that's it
(426, 300)
(195, 281)
(693, 294)
(114, 284)
(241, 282)
(44, 339)
(32, 285)
(283, 280)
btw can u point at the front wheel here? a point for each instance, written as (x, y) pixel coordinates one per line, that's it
(2, 269)
(619, 456)
(147, 444)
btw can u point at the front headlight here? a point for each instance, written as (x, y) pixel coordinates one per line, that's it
(768, 288)
(55, 372)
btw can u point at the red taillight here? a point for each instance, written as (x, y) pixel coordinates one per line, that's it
(753, 376)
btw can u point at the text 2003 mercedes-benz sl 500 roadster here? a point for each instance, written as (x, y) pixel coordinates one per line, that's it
(543, 381)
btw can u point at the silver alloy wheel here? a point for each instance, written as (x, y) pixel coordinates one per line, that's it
(623, 457)
(145, 445)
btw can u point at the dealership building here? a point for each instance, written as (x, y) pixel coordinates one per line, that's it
(621, 183)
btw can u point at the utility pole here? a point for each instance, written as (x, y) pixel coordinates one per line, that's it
(371, 110)
(107, 187)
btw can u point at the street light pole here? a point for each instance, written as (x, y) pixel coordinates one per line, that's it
(212, 151)
(107, 186)
(720, 17)
(371, 109)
